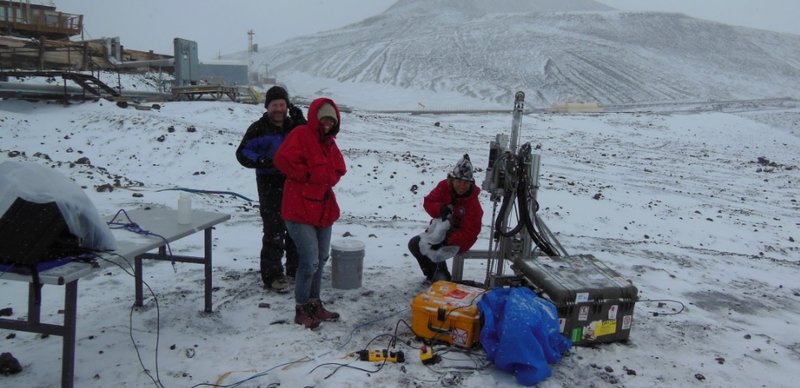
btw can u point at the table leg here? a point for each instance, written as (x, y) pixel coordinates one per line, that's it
(68, 351)
(137, 275)
(207, 265)
(34, 302)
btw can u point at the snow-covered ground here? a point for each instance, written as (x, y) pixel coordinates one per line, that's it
(698, 209)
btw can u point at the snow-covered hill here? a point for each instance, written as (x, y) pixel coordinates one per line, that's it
(558, 50)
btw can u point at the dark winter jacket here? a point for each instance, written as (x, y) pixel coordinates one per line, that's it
(466, 217)
(260, 142)
(313, 164)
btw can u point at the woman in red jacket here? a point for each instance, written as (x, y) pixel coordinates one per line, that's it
(456, 199)
(312, 164)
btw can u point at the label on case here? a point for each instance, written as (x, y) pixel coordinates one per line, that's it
(605, 328)
(612, 312)
(457, 294)
(459, 336)
(627, 320)
(598, 329)
(583, 313)
(581, 297)
(576, 335)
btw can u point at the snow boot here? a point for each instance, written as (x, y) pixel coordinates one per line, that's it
(279, 284)
(320, 312)
(304, 315)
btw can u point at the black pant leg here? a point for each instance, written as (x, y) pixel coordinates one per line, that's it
(425, 264)
(270, 190)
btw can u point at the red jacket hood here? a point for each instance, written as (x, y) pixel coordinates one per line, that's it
(313, 120)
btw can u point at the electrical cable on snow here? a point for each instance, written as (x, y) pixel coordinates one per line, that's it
(360, 325)
(157, 379)
(391, 345)
(135, 228)
(198, 191)
(307, 358)
(238, 383)
(655, 314)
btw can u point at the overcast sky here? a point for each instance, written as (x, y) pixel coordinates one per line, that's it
(221, 26)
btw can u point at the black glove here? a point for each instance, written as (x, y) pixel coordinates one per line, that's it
(445, 211)
(436, 247)
(264, 162)
(296, 114)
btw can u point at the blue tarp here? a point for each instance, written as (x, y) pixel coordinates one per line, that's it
(520, 333)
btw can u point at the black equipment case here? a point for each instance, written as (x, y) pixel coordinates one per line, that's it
(34, 232)
(594, 302)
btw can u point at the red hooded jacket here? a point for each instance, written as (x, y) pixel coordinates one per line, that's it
(467, 213)
(312, 164)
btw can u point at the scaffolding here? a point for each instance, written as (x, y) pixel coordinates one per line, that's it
(21, 18)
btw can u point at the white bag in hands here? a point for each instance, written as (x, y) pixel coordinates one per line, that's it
(434, 235)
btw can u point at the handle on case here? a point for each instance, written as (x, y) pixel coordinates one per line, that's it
(441, 314)
(438, 329)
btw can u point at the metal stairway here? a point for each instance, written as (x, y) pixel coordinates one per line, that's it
(89, 83)
(92, 85)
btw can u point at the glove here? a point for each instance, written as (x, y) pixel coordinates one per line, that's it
(445, 211)
(436, 247)
(264, 162)
(296, 114)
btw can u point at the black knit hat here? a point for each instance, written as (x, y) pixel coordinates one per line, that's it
(276, 93)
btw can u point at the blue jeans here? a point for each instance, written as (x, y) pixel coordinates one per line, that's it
(313, 246)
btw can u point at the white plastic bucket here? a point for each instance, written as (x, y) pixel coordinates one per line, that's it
(347, 262)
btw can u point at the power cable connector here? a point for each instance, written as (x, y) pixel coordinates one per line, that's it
(381, 355)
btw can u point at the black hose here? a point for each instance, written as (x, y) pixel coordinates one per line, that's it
(537, 238)
(525, 213)
(526, 219)
(498, 224)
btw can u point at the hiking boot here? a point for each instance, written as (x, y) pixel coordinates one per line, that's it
(428, 278)
(320, 312)
(278, 284)
(304, 315)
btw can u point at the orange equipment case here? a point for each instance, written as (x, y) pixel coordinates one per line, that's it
(447, 312)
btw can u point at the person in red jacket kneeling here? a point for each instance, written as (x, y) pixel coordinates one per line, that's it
(454, 199)
(313, 164)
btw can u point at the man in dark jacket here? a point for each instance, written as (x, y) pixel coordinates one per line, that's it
(256, 150)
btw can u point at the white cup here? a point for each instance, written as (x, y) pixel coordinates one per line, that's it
(184, 209)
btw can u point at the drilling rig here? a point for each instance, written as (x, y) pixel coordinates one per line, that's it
(517, 232)
(594, 302)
